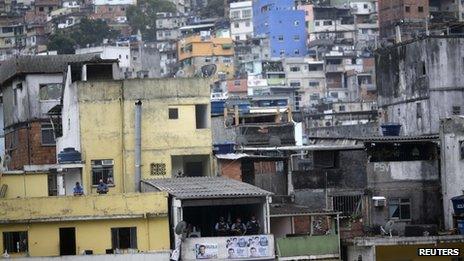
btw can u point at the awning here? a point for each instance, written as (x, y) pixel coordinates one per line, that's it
(206, 188)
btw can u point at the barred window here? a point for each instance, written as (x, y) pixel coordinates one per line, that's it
(15, 242)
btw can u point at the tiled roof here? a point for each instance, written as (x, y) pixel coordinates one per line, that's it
(41, 64)
(206, 187)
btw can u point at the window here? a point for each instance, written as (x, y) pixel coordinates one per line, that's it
(280, 38)
(296, 23)
(201, 116)
(173, 113)
(348, 205)
(295, 84)
(424, 69)
(399, 208)
(41, 9)
(420, 9)
(246, 13)
(341, 108)
(295, 69)
(235, 14)
(207, 59)
(296, 51)
(317, 23)
(48, 136)
(327, 22)
(296, 37)
(313, 84)
(247, 24)
(124, 238)
(456, 110)
(102, 169)
(282, 52)
(418, 110)
(51, 91)
(407, 9)
(15, 242)
(314, 97)
(7, 30)
(226, 60)
(236, 25)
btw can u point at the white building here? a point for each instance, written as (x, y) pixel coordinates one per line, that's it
(122, 53)
(115, 2)
(241, 20)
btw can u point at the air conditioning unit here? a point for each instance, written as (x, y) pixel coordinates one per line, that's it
(379, 202)
(107, 162)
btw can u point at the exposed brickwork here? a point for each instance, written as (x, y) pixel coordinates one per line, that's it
(392, 11)
(231, 169)
(26, 148)
(302, 224)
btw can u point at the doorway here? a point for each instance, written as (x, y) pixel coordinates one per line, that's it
(67, 241)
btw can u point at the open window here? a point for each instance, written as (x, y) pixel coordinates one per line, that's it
(201, 116)
(124, 238)
(102, 169)
(15, 242)
(50, 91)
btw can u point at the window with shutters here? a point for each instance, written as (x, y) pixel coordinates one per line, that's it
(124, 238)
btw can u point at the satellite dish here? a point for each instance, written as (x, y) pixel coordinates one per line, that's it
(387, 230)
(208, 70)
(180, 74)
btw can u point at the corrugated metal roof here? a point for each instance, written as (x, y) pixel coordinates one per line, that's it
(401, 138)
(206, 187)
(42, 64)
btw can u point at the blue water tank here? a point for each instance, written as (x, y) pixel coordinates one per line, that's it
(391, 129)
(224, 148)
(461, 226)
(217, 107)
(69, 155)
(458, 204)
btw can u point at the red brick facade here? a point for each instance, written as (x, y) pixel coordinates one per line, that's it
(231, 169)
(413, 12)
(24, 145)
(302, 224)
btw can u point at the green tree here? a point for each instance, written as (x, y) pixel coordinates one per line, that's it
(86, 32)
(61, 43)
(214, 8)
(143, 16)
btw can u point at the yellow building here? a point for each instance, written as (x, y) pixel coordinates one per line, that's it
(99, 121)
(53, 226)
(196, 51)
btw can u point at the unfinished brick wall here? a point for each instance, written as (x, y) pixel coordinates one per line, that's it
(24, 145)
(231, 169)
(302, 224)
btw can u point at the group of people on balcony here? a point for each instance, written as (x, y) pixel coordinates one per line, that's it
(238, 228)
(102, 188)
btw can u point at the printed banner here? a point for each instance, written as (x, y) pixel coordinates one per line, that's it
(247, 247)
(206, 251)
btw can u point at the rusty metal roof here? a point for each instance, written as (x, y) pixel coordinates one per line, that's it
(206, 187)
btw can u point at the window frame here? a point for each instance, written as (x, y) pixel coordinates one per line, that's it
(102, 167)
(47, 85)
(116, 240)
(47, 127)
(173, 113)
(401, 202)
(23, 235)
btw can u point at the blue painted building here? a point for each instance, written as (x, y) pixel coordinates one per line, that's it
(283, 25)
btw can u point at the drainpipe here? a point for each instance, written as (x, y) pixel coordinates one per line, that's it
(138, 144)
(290, 171)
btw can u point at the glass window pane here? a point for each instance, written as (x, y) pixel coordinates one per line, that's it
(394, 211)
(405, 211)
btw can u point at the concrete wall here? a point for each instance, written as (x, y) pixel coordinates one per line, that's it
(452, 138)
(417, 181)
(348, 131)
(161, 255)
(44, 239)
(421, 76)
(106, 118)
(21, 184)
(82, 207)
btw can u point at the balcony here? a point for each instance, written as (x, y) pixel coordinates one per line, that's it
(333, 68)
(308, 247)
(92, 207)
